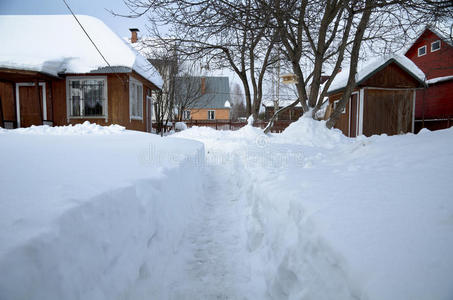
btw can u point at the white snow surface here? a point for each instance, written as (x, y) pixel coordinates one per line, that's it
(56, 44)
(305, 214)
(439, 79)
(323, 216)
(88, 212)
(341, 79)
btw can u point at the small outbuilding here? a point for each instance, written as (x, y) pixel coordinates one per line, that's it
(384, 99)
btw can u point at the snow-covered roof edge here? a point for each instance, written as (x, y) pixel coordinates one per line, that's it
(376, 65)
(439, 79)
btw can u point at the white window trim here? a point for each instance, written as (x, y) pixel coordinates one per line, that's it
(184, 114)
(335, 106)
(68, 98)
(44, 100)
(137, 82)
(438, 41)
(418, 51)
(213, 112)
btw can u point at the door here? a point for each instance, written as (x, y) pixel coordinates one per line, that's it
(353, 116)
(30, 104)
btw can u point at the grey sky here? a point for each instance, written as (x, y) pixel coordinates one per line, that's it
(95, 8)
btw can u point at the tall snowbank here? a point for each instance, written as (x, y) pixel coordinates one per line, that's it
(91, 216)
(365, 218)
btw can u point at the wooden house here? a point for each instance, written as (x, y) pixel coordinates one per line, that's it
(207, 98)
(51, 73)
(384, 99)
(432, 52)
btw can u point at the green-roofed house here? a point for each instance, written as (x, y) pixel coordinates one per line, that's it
(203, 98)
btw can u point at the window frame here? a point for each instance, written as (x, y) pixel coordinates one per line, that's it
(422, 47)
(105, 107)
(213, 114)
(137, 83)
(186, 115)
(335, 103)
(438, 41)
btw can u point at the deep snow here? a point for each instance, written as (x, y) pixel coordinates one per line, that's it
(306, 214)
(329, 217)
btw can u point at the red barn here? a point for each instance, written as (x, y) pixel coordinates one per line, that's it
(432, 52)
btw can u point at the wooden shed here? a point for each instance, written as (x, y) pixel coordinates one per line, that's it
(384, 99)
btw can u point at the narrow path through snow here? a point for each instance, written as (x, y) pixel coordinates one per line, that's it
(217, 268)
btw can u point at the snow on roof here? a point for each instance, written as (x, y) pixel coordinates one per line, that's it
(281, 103)
(370, 67)
(56, 44)
(439, 79)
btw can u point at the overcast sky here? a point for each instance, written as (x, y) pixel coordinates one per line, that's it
(96, 8)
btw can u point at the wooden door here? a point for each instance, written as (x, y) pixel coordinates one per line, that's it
(30, 106)
(353, 116)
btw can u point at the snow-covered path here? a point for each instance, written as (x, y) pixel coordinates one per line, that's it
(217, 267)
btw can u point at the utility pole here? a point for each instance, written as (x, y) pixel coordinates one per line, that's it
(277, 98)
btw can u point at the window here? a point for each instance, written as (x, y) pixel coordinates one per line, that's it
(335, 104)
(186, 115)
(87, 97)
(211, 114)
(422, 50)
(435, 46)
(135, 99)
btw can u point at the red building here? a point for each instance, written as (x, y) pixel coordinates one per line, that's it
(432, 52)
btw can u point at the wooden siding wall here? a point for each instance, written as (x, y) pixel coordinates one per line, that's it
(8, 104)
(434, 64)
(343, 121)
(387, 111)
(392, 76)
(202, 113)
(7, 94)
(435, 102)
(292, 114)
(118, 102)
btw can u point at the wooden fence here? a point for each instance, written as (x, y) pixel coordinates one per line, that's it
(278, 126)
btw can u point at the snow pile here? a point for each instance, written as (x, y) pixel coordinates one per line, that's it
(309, 132)
(341, 79)
(77, 129)
(28, 43)
(180, 126)
(367, 218)
(94, 216)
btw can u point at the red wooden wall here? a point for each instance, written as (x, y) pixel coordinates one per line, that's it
(434, 64)
(437, 100)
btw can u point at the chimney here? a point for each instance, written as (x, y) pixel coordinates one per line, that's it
(203, 85)
(134, 37)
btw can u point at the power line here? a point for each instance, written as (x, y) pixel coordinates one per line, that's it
(81, 26)
(97, 49)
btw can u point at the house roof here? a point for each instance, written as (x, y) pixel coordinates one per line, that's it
(56, 44)
(375, 65)
(216, 95)
(433, 30)
(281, 103)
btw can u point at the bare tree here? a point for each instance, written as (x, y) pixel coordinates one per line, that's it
(238, 109)
(220, 34)
(331, 32)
